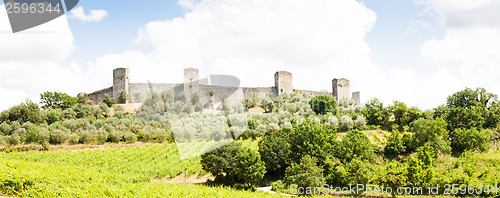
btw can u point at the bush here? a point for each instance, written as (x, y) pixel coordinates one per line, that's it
(130, 137)
(5, 128)
(306, 174)
(376, 113)
(52, 115)
(58, 136)
(395, 145)
(432, 131)
(198, 107)
(360, 122)
(356, 145)
(314, 139)
(122, 97)
(25, 112)
(470, 139)
(13, 139)
(346, 123)
(32, 134)
(116, 136)
(73, 138)
(323, 104)
(278, 186)
(232, 163)
(274, 149)
(108, 100)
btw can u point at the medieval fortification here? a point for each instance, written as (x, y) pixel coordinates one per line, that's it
(210, 94)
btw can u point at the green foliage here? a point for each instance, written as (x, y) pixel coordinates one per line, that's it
(195, 98)
(470, 109)
(24, 112)
(418, 173)
(395, 145)
(393, 176)
(274, 149)
(32, 134)
(346, 123)
(376, 113)
(312, 138)
(232, 163)
(249, 103)
(57, 100)
(323, 104)
(356, 145)
(470, 139)
(14, 139)
(198, 107)
(122, 97)
(305, 174)
(433, 132)
(403, 115)
(108, 100)
(52, 115)
(360, 122)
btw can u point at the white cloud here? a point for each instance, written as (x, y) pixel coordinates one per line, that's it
(315, 40)
(30, 61)
(93, 16)
(187, 4)
(471, 43)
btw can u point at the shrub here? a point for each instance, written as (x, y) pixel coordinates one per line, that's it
(395, 145)
(122, 97)
(232, 163)
(32, 134)
(272, 127)
(73, 138)
(376, 113)
(274, 149)
(314, 139)
(116, 136)
(470, 139)
(52, 115)
(13, 139)
(5, 128)
(25, 112)
(198, 107)
(249, 103)
(346, 123)
(108, 100)
(56, 100)
(323, 104)
(360, 122)
(58, 136)
(432, 131)
(306, 174)
(356, 145)
(278, 186)
(130, 137)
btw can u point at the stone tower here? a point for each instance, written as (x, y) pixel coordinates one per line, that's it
(356, 97)
(341, 89)
(121, 82)
(283, 82)
(191, 82)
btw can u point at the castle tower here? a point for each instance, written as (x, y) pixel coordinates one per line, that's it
(191, 82)
(283, 82)
(356, 97)
(341, 89)
(121, 82)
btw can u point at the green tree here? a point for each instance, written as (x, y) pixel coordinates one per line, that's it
(274, 148)
(395, 145)
(314, 139)
(376, 113)
(433, 132)
(56, 100)
(25, 112)
(323, 104)
(403, 115)
(108, 100)
(356, 145)
(470, 139)
(306, 174)
(232, 163)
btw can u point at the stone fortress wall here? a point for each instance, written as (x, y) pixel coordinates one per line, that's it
(137, 92)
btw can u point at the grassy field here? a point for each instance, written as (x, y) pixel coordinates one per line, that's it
(117, 172)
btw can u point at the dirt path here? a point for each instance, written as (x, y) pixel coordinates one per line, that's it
(182, 179)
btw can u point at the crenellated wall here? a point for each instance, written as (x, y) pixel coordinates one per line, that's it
(137, 92)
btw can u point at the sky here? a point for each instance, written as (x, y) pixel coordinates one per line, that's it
(415, 51)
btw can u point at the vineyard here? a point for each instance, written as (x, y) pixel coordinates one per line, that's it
(119, 172)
